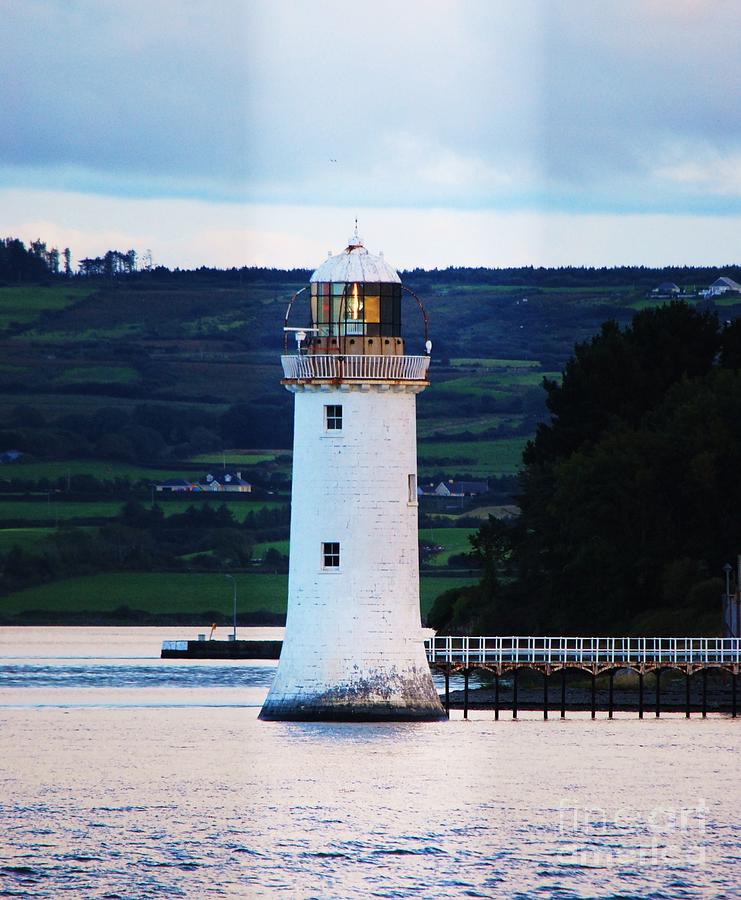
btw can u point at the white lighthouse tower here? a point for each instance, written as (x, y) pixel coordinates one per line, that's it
(353, 648)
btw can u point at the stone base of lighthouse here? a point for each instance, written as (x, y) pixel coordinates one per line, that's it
(353, 649)
(381, 696)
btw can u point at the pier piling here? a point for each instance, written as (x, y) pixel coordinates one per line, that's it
(687, 694)
(658, 693)
(733, 695)
(496, 696)
(640, 695)
(545, 694)
(514, 695)
(563, 692)
(612, 684)
(594, 695)
(465, 693)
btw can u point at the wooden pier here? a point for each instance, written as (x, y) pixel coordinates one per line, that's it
(592, 655)
(549, 656)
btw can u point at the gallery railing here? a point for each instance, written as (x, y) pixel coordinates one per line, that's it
(328, 366)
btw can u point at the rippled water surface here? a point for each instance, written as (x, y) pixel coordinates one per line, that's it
(124, 776)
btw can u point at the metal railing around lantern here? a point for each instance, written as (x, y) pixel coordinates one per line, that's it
(355, 367)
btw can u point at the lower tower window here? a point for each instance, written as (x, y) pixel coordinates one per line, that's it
(331, 555)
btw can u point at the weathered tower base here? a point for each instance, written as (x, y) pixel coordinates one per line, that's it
(389, 697)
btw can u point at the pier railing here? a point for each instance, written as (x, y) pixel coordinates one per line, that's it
(362, 368)
(516, 650)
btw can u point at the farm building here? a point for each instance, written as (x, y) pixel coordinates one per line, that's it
(666, 289)
(231, 482)
(176, 485)
(723, 285)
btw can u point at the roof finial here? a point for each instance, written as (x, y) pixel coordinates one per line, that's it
(355, 240)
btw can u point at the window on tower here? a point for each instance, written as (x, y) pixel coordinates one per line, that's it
(331, 555)
(333, 417)
(412, 488)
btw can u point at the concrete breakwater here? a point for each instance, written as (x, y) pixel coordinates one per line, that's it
(203, 649)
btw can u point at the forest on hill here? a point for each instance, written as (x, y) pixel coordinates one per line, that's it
(629, 494)
(124, 374)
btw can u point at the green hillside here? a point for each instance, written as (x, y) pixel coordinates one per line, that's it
(110, 385)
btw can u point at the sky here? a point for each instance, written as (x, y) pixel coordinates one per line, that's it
(458, 132)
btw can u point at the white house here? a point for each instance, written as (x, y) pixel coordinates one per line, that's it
(231, 482)
(723, 285)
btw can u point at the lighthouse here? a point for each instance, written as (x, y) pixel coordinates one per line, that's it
(353, 647)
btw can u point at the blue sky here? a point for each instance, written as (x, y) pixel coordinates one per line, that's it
(479, 132)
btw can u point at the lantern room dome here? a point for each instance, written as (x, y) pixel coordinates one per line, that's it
(355, 263)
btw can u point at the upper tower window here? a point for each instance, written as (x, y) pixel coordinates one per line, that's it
(333, 417)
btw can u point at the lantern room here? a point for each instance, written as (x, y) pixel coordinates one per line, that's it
(356, 304)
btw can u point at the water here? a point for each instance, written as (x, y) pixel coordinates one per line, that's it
(126, 776)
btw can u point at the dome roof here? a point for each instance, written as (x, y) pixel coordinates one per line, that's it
(355, 264)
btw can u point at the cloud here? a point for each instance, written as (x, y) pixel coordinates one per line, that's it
(628, 84)
(135, 90)
(469, 106)
(191, 233)
(703, 169)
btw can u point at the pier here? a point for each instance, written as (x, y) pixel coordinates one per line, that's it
(591, 655)
(549, 656)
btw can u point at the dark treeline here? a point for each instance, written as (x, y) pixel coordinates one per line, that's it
(629, 494)
(37, 263)
(150, 433)
(204, 537)
(111, 265)
(635, 277)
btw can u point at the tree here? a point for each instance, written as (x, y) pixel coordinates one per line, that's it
(629, 490)
(618, 375)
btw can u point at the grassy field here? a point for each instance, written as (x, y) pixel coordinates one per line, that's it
(102, 469)
(128, 331)
(86, 404)
(482, 458)
(438, 425)
(259, 550)
(63, 510)
(234, 458)
(26, 304)
(166, 593)
(25, 538)
(478, 385)
(495, 363)
(454, 540)
(98, 374)
(44, 510)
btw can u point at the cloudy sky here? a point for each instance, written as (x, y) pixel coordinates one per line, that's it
(459, 132)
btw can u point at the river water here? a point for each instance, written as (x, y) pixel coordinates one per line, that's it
(126, 776)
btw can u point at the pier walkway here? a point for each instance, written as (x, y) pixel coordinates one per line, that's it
(507, 656)
(592, 655)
